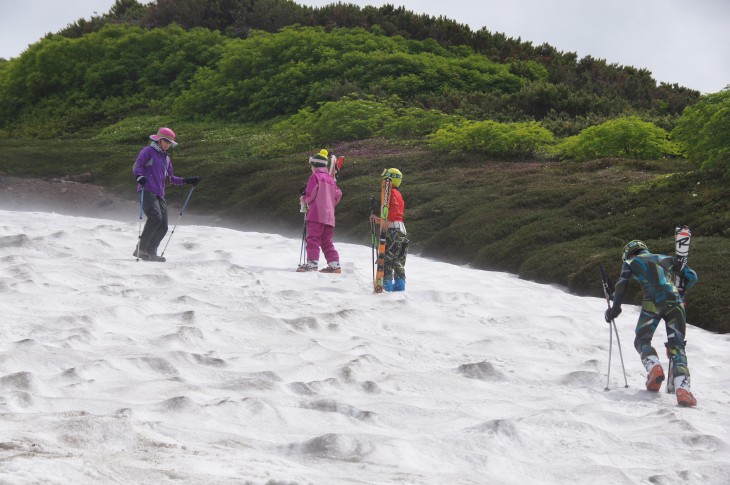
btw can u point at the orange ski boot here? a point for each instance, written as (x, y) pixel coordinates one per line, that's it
(655, 378)
(684, 396)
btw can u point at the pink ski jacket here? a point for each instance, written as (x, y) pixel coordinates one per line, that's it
(322, 195)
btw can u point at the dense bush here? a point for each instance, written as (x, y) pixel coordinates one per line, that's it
(431, 63)
(704, 131)
(352, 119)
(107, 68)
(61, 84)
(268, 75)
(622, 137)
(493, 138)
(623, 84)
(415, 123)
(344, 120)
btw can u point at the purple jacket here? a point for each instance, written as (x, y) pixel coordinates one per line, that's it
(322, 195)
(156, 168)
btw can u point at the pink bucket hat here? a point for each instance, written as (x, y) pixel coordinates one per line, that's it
(165, 133)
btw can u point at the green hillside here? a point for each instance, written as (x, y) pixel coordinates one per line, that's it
(516, 157)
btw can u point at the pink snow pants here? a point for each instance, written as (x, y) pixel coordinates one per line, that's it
(320, 236)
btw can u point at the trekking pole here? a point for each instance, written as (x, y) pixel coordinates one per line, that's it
(372, 235)
(620, 354)
(302, 251)
(178, 219)
(610, 352)
(612, 328)
(139, 233)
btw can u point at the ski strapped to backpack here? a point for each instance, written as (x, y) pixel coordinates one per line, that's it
(682, 238)
(384, 209)
(336, 163)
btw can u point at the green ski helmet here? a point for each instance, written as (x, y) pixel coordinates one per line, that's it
(395, 176)
(632, 248)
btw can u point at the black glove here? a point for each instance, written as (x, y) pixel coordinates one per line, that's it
(612, 313)
(192, 181)
(141, 180)
(303, 190)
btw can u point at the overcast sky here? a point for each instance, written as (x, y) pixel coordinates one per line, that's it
(679, 41)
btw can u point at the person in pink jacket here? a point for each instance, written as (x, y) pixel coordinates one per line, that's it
(321, 195)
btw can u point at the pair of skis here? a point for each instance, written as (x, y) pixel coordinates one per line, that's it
(336, 163)
(385, 192)
(682, 239)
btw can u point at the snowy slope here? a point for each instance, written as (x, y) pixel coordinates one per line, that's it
(223, 365)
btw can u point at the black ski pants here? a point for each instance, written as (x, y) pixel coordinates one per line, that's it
(155, 228)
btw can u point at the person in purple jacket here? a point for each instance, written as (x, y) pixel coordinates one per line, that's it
(153, 171)
(321, 195)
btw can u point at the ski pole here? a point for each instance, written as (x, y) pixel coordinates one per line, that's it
(302, 250)
(139, 234)
(612, 328)
(178, 219)
(610, 352)
(620, 354)
(372, 234)
(303, 209)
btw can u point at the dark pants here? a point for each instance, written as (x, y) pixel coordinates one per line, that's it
(675, 320)
(396, 251)
(156, 226)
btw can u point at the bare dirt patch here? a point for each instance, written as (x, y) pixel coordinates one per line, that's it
(88, 200)
(65, 197)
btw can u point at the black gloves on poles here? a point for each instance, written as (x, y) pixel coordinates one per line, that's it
(612, 313)
(141, 180)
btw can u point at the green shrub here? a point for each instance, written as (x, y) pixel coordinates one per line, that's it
(344, 120)
(493, 138)
(415, 123)
(704, 131)
(269, 75)
(623, 137)
(350, 119)
(530, 70)
(60, 84)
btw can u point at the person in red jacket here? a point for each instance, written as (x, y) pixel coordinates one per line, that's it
(321, 197)
(396, 240)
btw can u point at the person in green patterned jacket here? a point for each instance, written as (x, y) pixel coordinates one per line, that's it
(663, 300)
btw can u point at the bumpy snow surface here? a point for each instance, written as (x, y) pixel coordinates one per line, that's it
(223, 365)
